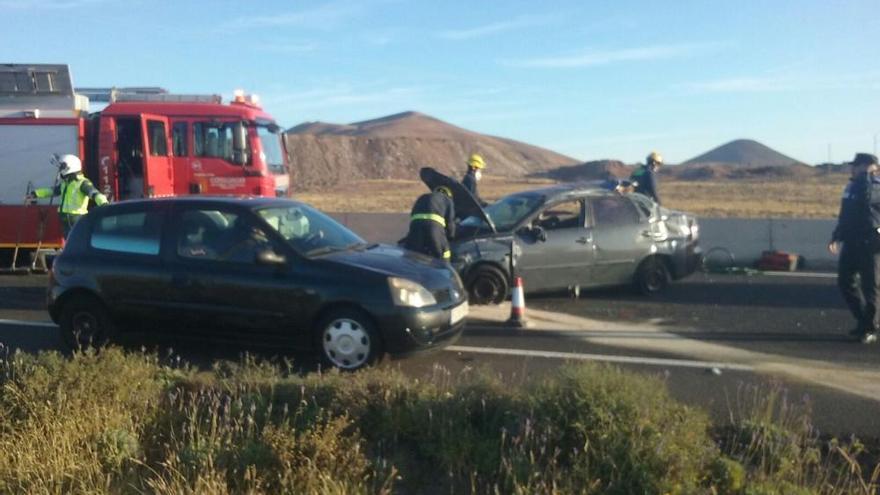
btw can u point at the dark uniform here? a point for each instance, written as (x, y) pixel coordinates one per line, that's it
(432, 224)
(470, 183)
(646, 182)
(860, 253)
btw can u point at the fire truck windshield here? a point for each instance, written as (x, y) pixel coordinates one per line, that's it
(270, 142)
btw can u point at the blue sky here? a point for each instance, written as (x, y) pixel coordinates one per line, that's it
(588, 79)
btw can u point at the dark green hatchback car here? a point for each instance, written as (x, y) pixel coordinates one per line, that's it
(266, 270)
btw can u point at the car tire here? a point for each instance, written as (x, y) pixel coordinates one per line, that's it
(652, 276)
(348, 340)
(487, 285)
(85, 323)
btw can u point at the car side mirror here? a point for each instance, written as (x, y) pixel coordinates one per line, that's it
(270, 258)
(239, 144)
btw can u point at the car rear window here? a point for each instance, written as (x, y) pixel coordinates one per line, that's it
(135, 233)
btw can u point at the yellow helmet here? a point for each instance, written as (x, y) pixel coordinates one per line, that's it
(476, 161)
(654, 158)
(444, 190)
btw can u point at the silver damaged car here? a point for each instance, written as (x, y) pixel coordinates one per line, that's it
(568, 236)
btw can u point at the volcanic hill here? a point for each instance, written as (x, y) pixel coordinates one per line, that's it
(740, 159)
(395, 147)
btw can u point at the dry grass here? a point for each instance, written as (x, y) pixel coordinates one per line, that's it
(815, 197)
(115, 422)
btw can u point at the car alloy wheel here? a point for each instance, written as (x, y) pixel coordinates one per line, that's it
(85, 327)
(85, 323)
(346, 343)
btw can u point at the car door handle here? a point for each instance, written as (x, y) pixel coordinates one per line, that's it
(583, 240)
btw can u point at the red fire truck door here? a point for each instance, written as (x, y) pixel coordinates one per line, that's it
(158, 172)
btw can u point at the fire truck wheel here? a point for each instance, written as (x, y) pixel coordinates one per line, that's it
(85, 323)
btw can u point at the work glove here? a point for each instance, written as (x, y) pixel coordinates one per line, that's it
(100, 200)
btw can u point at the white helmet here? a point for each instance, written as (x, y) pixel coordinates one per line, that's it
(69, 164)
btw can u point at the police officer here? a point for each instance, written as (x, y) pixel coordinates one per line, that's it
(857, 239)
(474, 172)
(75, 191)
(432, 224)
(644, 178)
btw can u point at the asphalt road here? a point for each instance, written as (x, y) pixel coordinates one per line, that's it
(761, 331)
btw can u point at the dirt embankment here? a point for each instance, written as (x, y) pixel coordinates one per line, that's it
(325, 161)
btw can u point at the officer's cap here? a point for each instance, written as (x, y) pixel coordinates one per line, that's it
(863, 159)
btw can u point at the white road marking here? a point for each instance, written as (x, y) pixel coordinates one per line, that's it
(609, 358)
(682, 363)
(26, 323)
(800, 274)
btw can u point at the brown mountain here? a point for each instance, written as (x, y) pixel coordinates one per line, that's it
(744, 152)
(395, 147)
(593, 170)
(740, 159)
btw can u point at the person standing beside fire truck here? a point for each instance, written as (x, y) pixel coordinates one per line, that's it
(75, 191)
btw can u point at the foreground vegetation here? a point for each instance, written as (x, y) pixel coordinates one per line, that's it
(813, 197)
(114, 422)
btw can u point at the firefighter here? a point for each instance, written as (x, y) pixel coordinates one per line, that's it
(475, 166)
(857, 239)
(75, 191)
(432, 224)
(644, 178)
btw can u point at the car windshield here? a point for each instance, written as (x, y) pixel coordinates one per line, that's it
(309, 231)
(508, 211)
(270, 144)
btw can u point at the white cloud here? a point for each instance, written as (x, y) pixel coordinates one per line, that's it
(321, 17)
(287, 47)
(790, 82)
(47, 4)
(604, 57)
(342, 95)
(495, 28)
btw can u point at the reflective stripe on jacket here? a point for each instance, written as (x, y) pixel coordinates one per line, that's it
(430, 216)
(75, 194)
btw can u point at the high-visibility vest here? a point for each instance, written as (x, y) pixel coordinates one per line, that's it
(73, 200)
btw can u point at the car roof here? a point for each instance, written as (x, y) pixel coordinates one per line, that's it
(241, 201)
(567, 189)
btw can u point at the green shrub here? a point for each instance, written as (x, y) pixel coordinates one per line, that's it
(112, 422)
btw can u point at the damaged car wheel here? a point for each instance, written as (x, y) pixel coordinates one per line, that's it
(487, 285)
(652, 276)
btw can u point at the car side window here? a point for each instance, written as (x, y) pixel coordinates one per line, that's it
(133, 233)
(565, 215)
(215, 235)
(614, 210)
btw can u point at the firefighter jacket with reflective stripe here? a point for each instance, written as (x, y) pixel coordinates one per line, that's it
(435, 207)
(859, 210)
(75, 192)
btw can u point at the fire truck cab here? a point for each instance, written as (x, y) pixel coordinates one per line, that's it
(144, 143)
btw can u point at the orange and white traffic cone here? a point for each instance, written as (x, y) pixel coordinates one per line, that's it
(517, 305)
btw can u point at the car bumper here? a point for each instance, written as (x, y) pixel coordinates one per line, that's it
(687, 260)
(412, 330)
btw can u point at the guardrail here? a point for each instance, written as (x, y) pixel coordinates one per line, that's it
(745, 238)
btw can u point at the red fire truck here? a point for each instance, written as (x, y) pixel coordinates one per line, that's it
(144, 143)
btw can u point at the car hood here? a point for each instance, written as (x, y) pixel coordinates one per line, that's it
(393, 261)
(465, 203)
